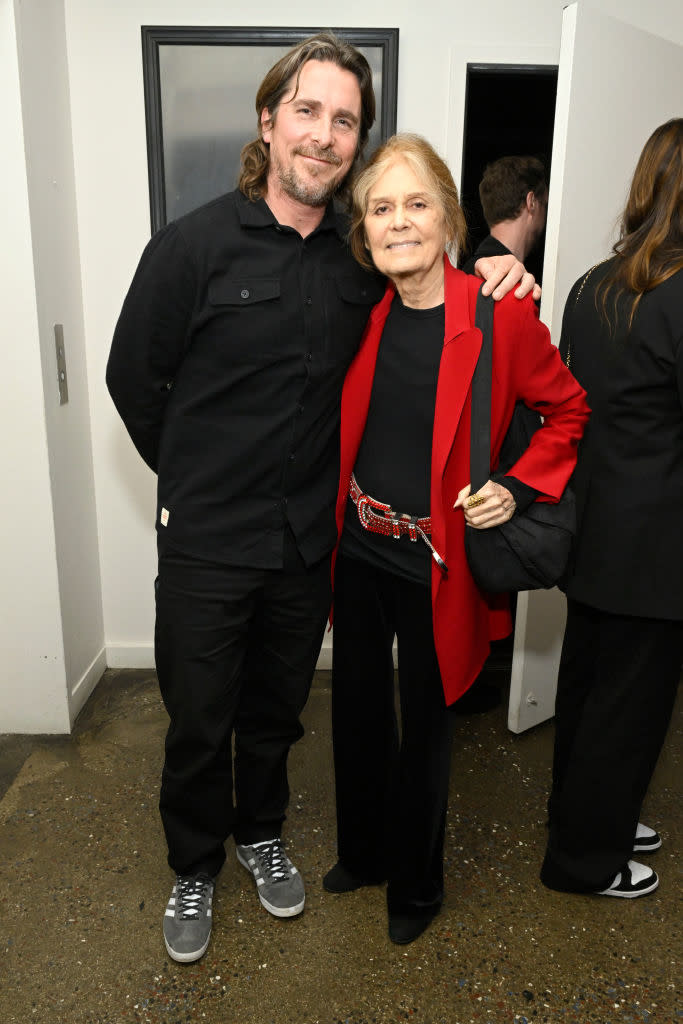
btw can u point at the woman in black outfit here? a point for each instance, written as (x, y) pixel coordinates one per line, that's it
(622, 335)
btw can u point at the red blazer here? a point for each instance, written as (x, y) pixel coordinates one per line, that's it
(526, 366)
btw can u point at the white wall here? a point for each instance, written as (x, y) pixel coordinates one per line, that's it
(52, 201)
(105, 68)
(53, 653)
(662, 17)
(32, 692)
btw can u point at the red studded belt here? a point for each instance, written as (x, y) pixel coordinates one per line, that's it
(377, 517)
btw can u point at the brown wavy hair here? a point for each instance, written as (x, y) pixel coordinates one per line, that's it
(650, 246)
(255, 156)
(430, 168)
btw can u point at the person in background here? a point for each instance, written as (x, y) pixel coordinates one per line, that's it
(402, 509)
(514, 197)
(226, 367)
(622, 334)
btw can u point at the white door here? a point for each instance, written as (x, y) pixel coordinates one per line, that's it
(615, 84)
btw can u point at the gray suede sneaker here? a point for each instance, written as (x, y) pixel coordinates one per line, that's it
(187, 921)
(279, 885)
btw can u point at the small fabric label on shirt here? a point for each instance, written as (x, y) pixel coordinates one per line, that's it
(164, 516)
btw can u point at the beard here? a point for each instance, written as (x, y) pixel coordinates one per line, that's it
(310, 193)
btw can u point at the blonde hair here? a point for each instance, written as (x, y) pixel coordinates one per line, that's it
(430, 169)
(255, 156)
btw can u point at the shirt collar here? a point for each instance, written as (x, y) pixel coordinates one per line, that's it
(259, 215)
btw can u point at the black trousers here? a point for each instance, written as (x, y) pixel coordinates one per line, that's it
(392, 787)
(616, 690)
(236, 649)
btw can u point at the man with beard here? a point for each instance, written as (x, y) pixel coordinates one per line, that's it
(227, 367)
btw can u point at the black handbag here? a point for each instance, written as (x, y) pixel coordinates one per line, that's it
(531, 551)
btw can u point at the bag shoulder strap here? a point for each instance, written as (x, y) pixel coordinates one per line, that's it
(480, 426)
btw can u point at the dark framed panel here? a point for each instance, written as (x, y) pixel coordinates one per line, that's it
(200, 85)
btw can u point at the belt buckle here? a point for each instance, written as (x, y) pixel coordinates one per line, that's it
(395, 520)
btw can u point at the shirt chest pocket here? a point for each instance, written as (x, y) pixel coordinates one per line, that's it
(246, 316)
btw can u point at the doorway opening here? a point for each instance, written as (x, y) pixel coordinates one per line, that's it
(509, 111)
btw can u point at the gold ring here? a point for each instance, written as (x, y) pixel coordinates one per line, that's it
(474, 500)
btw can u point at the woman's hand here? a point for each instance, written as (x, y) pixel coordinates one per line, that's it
(492, 505)
(502, 273)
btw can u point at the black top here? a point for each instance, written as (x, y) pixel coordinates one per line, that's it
(629, 474)
(227, 365)
(394, 458)
(489, 246)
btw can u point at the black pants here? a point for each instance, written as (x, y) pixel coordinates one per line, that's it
(236, 649)
(616, 690)
(392, 790)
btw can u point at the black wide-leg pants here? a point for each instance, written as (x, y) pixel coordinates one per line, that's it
(236, 649)
(616, 690)
(391, 780)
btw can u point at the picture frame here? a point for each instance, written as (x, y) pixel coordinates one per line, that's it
(200, 84)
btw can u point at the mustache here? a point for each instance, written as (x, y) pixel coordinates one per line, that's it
(319, 154)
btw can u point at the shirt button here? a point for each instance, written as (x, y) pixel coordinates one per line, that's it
(292, 456)
(309, 301)
(245, 293)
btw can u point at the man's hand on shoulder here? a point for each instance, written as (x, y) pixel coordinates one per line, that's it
(503, 273)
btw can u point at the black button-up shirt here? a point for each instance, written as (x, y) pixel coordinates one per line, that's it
(227, 365)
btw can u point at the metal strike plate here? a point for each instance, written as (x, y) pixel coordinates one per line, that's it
(61, 365)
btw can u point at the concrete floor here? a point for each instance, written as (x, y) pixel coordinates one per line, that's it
(83, 886)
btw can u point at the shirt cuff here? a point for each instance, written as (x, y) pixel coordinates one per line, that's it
(523, 495)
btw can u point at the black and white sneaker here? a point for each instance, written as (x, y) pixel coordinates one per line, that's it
(647, 840)
(279, 885)
(633, 880)
(187, 921)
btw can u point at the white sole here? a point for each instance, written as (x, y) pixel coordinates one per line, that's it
(647, 849)
(186, 958)
(633, 894)
(282, 911)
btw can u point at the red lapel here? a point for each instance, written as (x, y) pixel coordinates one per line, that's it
(356, 397)
(455, 374)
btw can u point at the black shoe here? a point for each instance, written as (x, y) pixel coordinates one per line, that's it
(339, 880)
(403, 930)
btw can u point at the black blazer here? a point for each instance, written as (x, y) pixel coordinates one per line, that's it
(629, 476)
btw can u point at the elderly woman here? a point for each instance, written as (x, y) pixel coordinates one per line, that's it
(623, 645)
(405, 447)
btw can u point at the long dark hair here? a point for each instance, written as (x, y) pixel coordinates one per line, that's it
(255, 157)
(650, 246)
